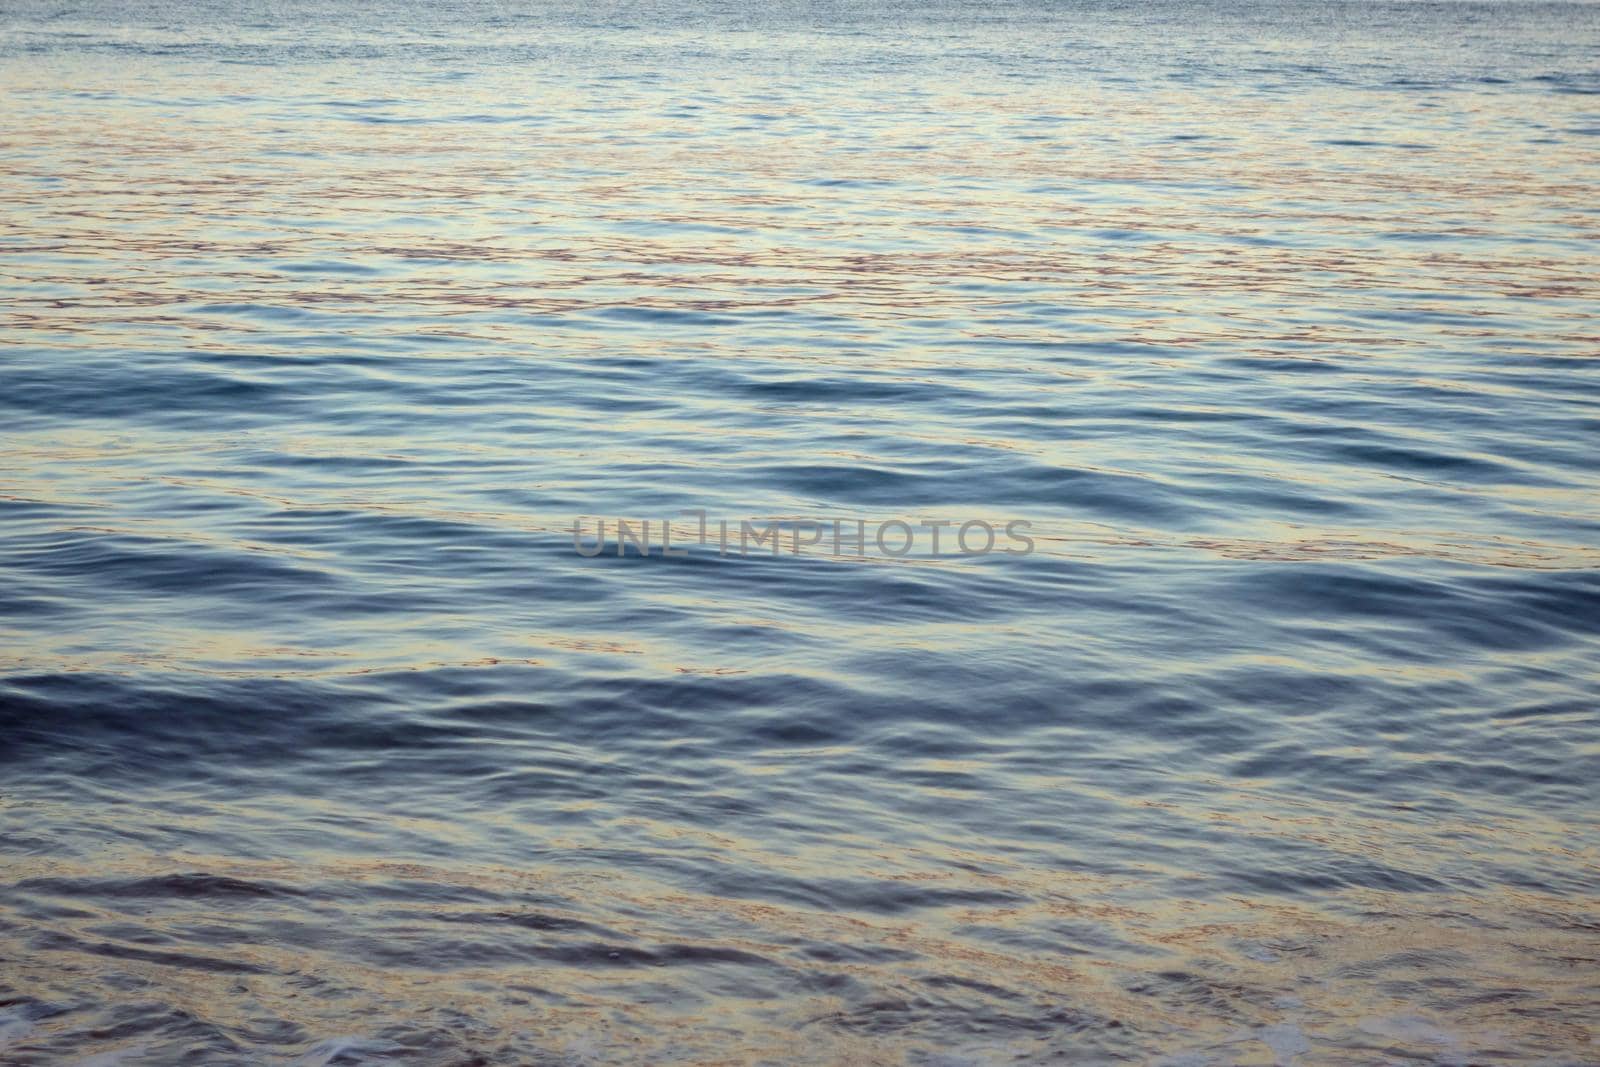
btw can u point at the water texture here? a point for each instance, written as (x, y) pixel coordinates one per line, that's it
(321, 324)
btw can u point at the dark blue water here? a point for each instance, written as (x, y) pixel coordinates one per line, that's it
(1276, 323)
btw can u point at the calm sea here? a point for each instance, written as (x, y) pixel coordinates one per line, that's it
(323, 324)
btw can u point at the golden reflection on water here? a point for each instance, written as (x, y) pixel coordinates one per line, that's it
(1261, 962)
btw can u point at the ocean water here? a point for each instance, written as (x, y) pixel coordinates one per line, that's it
(323, 324)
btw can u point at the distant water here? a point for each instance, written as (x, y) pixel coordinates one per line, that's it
(320, 744)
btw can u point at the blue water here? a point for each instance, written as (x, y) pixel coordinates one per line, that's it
(322, 325)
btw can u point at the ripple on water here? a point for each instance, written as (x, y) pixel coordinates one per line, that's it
(321, 745)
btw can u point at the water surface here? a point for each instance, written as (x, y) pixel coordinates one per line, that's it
(320, 744)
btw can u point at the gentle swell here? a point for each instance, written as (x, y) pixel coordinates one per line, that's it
(320, 744)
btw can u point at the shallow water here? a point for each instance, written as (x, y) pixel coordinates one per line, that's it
(320, 743)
